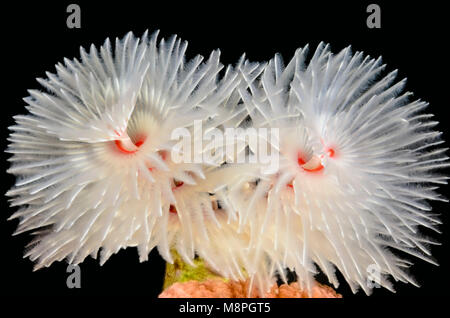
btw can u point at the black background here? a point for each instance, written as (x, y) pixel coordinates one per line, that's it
(35, 38)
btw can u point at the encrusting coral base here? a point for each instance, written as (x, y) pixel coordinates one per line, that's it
(185, 281)
(215, 288)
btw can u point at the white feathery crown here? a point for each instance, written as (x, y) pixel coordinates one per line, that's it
(358, 161)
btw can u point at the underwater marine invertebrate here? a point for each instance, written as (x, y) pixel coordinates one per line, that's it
(356, 162)
(93, 156)
(355, 170)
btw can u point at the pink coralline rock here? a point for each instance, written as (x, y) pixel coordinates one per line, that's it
(215, 288)
(293, 291)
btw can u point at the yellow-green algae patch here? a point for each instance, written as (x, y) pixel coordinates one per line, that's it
(182, 272)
